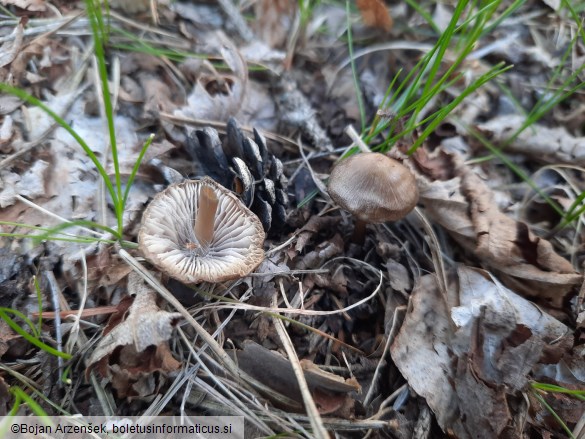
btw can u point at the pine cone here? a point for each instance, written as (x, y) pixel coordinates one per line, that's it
(245, 166)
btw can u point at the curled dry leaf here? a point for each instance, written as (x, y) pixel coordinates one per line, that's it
(140, 340)
(325, 251)
(215, 96)
(309, 231)
(465, 207)
(469, 362)
(8, 54)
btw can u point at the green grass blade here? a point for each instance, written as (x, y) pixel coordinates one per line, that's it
(82, 223)
(36, 332)
(447, 109)
(557, 389)
(136, 167)
(519, 172)
(20, 395)
(424, 14)
(78, 240)
(308, 198)
(442, 44)
(33, 340)
(554, 414)
(94, 14)
(356, 82)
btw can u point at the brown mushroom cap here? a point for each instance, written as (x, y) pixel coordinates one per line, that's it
(169, 240)
(373, 187)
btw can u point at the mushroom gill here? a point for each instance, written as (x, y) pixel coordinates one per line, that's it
(198, 231)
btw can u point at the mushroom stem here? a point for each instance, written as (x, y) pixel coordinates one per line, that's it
(359, 232)
(205, 216)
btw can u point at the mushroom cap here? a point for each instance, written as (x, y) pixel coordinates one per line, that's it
(373, 187)
(167, 235)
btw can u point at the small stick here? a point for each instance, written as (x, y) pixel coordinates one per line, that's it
(353, 135)
(88, 312)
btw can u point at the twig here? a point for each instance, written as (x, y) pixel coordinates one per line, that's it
(74, 334)
(353, 135)
(318, 183)
(247, 307)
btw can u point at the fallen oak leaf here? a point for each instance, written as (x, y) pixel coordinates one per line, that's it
(472, 361)
(529, 262)
(146, 325)
(466, 208)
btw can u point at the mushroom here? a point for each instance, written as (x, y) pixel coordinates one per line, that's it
(374, 188)
(198, 231)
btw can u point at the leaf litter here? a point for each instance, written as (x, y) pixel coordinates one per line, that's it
(465, 322)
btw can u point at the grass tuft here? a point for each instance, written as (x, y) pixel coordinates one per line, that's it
(407, 99)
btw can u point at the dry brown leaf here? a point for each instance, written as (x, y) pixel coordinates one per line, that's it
(465, 207)
(20, 66)
(334, 281)
(158, 95)
(218, 96)
(420, 350)
(9, 51)
(324, 252)
(508, 246)
(470, 362)
(134, 375)
(375, 14)
(317, 377)
(145, 326)
(483, 409)
(337, 404)
(307, 233)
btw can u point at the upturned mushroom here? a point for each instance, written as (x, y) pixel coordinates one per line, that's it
(198, 231)
(374, 188)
